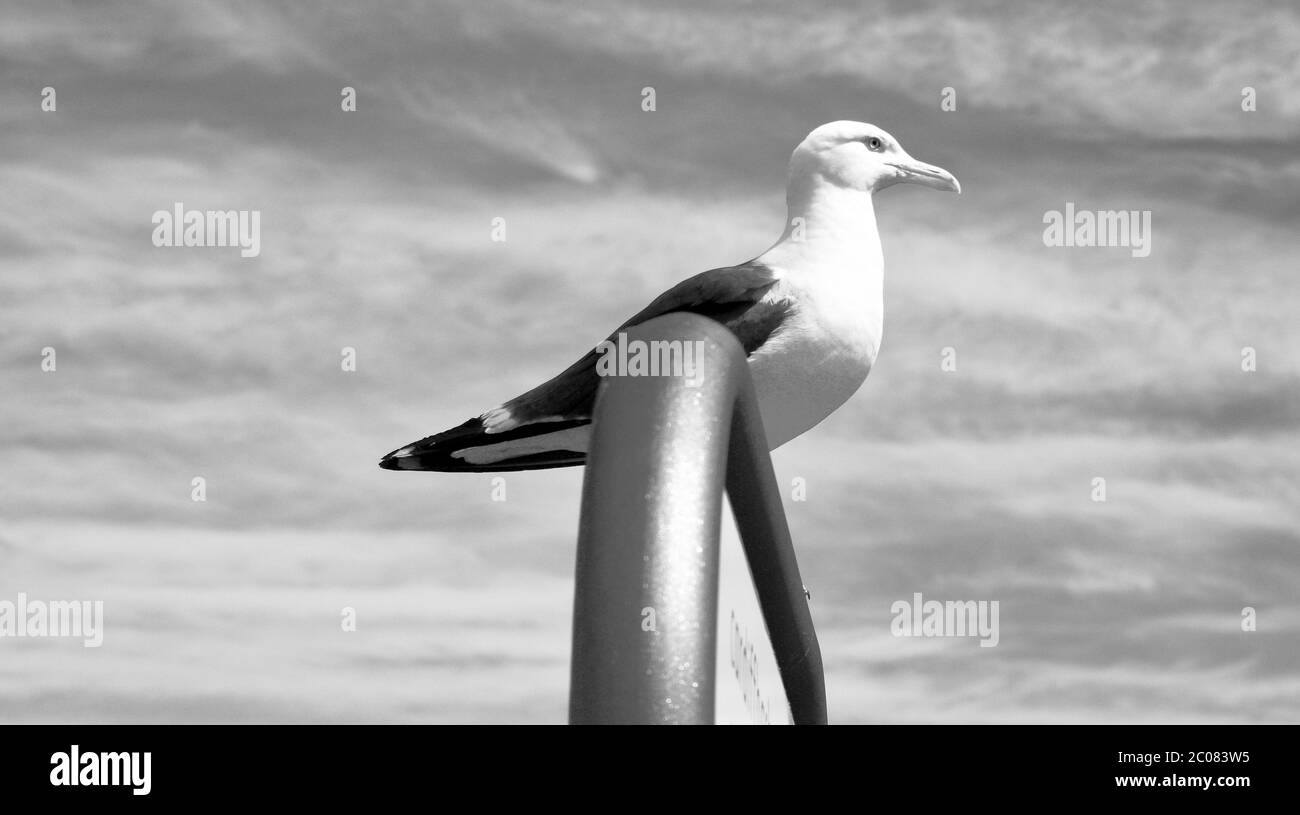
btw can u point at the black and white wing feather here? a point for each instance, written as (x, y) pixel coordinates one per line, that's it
(745, 298)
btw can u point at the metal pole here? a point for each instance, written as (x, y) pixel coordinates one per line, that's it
(645, 605)
(645, 601)
(765, 537)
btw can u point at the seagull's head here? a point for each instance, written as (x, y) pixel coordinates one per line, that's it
(863, 157)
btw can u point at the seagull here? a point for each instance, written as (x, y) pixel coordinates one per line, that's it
(809, 313)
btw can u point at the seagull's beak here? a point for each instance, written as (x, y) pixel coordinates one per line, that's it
(927, 175)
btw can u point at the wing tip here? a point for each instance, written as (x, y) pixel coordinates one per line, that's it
(390, 462)
(437, 453)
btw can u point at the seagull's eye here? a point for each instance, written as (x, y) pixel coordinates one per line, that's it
(875, 144)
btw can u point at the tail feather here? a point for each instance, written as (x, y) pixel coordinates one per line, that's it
(454, 450)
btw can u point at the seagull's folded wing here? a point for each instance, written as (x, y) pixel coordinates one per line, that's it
(736, 296)
(546, 427)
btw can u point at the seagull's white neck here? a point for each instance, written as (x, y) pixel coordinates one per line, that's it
(830, 253)
(830, 230)
(829, 269)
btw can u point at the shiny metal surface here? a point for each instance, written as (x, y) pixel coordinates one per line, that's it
(645, 605)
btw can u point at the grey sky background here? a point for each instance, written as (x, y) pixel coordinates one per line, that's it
(974, 484)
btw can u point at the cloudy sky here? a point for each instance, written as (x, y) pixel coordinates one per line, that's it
(1072, 364)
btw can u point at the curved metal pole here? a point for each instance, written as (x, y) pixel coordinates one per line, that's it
(645, 604)
(765, 537)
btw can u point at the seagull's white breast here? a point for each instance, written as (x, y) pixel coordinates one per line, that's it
(824, 352)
